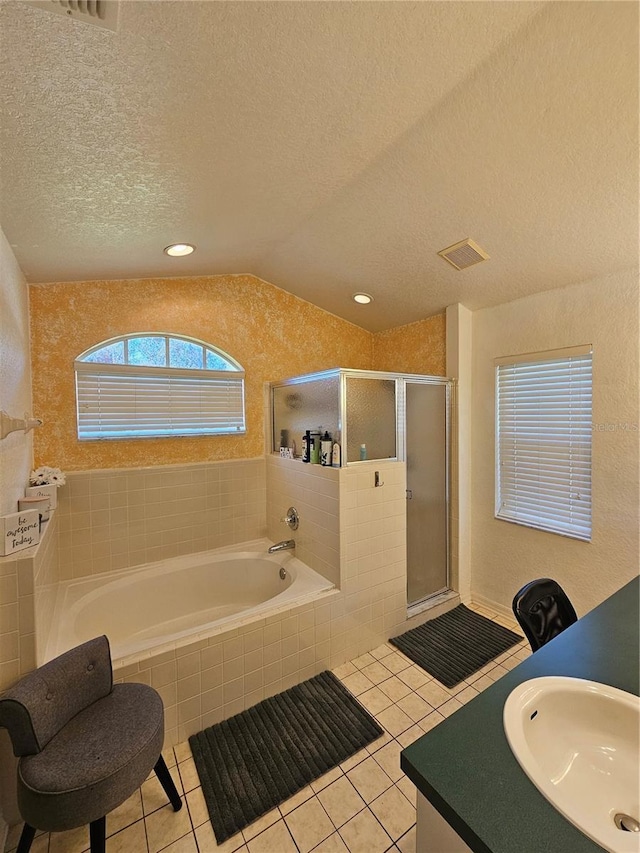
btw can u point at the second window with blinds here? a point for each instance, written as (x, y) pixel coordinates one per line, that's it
(149, 385)
(543, 440)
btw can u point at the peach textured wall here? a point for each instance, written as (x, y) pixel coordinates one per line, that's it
(270, 332)
(416, 348)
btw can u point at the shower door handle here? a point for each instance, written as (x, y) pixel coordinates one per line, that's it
(409, 494)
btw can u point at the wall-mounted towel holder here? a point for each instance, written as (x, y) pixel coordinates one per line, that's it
(9, 424)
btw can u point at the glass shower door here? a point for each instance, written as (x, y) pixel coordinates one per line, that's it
(427, 489)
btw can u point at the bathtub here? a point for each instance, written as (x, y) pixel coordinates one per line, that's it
(163, 606)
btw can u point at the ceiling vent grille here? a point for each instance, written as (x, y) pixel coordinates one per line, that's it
(464, 254)
(102, 13)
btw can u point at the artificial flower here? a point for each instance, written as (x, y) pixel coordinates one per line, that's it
(46, 476)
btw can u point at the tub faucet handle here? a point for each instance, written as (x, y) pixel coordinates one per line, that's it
(292, 518)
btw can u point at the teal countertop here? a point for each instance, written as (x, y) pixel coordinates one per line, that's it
(465, 767)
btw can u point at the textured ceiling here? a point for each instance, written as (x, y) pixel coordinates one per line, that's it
(327, 147)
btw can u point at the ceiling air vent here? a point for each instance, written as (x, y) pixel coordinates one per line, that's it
(102, 13)
(464, 254)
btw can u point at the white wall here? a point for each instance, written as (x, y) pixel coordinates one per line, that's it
(602, 312)
(16, 458)
(16, 453)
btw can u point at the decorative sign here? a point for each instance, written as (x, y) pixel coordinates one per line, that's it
(50, 492)
(19, 530)
(286, 452)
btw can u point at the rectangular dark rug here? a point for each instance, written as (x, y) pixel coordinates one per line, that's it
(255, 760)
(453, 646)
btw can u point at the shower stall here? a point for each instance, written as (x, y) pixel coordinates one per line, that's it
(377, 416)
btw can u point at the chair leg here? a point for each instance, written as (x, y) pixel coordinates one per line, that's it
(97, 835)
(26, 839)
(162, 772)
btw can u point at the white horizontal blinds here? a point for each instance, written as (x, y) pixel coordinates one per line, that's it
(125, 401)
(544, 417)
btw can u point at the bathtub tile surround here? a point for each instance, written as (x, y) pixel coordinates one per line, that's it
(125, 517)
(365, 804)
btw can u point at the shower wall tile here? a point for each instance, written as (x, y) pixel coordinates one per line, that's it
(116, 519)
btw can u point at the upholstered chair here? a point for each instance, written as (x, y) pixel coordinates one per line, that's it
(85, 744)
(543, 610)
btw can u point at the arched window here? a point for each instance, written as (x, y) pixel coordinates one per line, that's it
(148, 384)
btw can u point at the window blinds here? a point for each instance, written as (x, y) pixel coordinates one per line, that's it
(125, 401)
(544, 418)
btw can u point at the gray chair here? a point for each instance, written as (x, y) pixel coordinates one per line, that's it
(85, 744)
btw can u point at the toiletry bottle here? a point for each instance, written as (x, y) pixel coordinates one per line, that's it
(306, 446)
(335, 455)
(325, 449)
(314, 451)
(284, 438)
(363, 452)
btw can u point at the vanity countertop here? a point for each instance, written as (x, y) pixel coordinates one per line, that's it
(465, 767)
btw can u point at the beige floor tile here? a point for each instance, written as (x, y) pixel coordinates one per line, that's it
(396, 662)
(332, 844)
(262, 823)
(408, 789)
(434, 694)
(431, 721)
(129, 812)
(133, 839)
(72, 841)
(482, 683)
(394, 720)
(378, 743)
(414, 677)
(357, 683)
(197, 806)
(341, 801)
(381, 652)
(395, 812)
(40, 842)
(297, 800)
(407, 844)
(363, 660)
(374, 700)
(410, 736)
(207, 841)
(376, 672)
(344, 670)
(394, 688)
(165, 826)
(389, 759)
(170, 757)
(511, 662)
(363, 834)
(153, 795)
(182, 751)
(369, 779)
(350, 763)
(188, 775)
(497, 672)
(186, 844)
(326, 779)
(309, 825)
(276, 839)
(449, 707)
(466, 695)
(414, 706)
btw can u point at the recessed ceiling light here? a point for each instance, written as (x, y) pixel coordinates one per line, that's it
(179, 250)
(362, 298)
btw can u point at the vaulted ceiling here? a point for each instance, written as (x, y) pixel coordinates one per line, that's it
(327, 147)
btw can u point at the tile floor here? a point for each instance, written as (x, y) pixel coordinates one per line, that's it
(367, 805)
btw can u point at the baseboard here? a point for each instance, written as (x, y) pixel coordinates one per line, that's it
(499, 609)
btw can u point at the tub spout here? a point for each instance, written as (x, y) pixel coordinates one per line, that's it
(285, 545)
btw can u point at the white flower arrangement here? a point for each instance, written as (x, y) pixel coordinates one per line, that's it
(46, 476)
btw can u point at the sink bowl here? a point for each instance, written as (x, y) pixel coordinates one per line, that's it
(579, 743)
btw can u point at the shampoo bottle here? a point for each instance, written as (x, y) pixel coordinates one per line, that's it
(325, 449)
(335, 455)
(306, 446)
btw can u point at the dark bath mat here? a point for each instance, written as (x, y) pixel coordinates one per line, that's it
(453, 646)
(252, 762)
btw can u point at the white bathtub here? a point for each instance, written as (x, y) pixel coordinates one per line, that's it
(161, 606)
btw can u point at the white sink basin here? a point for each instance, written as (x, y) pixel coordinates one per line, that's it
(579, 743)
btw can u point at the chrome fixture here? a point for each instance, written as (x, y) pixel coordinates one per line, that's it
(292, 518)
(283, 573)
(285, 545)
(9, 424)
